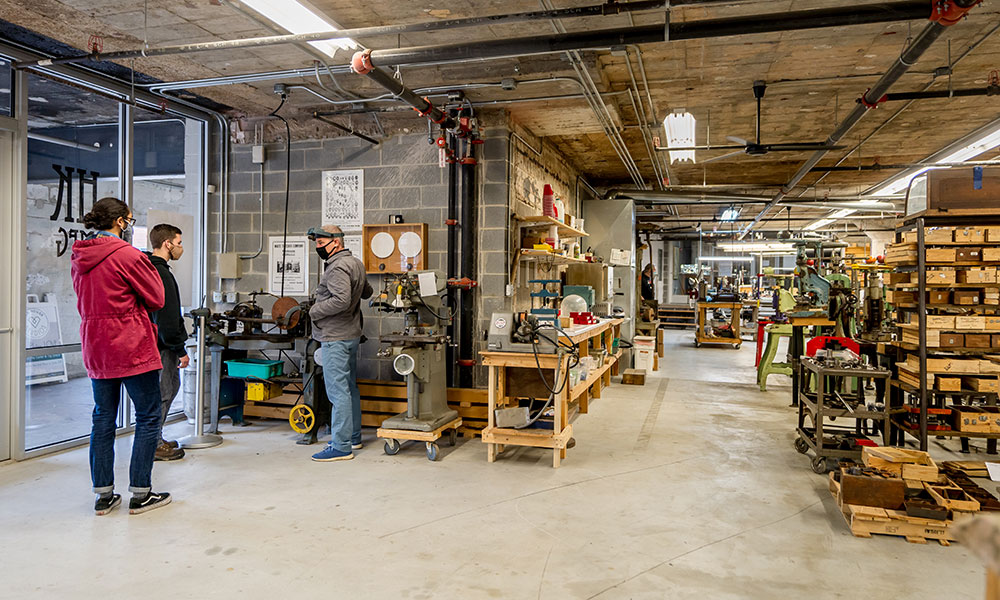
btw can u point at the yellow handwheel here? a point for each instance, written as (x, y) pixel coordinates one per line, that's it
(301, 418)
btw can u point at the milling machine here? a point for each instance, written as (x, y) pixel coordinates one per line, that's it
(827, 296)
(418, 352)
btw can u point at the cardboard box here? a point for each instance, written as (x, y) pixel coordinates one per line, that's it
(977, 276)
(971, 419)
(970, 235)
(952, 340)
(940, 255)
(966, 297)
(977, 340)
(948, 384)
(947, 322)
(968, 255)
(938, 297)
(991, 254)
(992, 323)
(975, 322)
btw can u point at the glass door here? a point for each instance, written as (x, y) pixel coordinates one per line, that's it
(72, 160)
(8, 374)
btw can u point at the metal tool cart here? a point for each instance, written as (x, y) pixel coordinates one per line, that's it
(828, 403)
(700, 337)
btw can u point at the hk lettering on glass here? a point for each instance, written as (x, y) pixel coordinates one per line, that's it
(65, 237)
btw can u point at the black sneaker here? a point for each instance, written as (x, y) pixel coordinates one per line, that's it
(107, 504)
(151, 501)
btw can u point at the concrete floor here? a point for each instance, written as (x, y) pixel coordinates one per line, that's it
(685, 488)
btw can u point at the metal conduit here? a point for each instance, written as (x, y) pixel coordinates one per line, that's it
(931, 32)
(609, 8)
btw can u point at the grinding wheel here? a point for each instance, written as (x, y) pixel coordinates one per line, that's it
(285, 313)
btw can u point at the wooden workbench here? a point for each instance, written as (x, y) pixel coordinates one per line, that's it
(514, 375)
(734, 323)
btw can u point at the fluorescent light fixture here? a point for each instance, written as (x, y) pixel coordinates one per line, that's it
(817, 224)
(840, 214)
(729, 215)
(298, 18)
(725, 258)
(973, 149)
(762, 246)
(679, 126)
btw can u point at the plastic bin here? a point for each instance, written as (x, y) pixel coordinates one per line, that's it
(644, 341)
(255, 368)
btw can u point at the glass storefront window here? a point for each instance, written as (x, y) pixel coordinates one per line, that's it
(72, 159)
(6, 87)
(167, 188)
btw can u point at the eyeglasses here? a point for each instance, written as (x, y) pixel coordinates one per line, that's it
(128, 221)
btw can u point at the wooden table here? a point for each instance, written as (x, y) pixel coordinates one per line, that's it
(514, 375)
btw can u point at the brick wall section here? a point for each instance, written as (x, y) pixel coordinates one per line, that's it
(402, 176)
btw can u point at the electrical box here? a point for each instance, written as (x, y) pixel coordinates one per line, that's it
(230, 266)
(257, 154)
(232, 297)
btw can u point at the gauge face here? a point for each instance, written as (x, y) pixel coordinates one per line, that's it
(500, 323)
(382, 245)
(410, 244)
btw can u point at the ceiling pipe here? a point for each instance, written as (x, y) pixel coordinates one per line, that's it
(362, 65)
(940, 21)
(990, 90)
(95, 147)
(347, 130)
(884, 12)
(878, 167)
(596, 10)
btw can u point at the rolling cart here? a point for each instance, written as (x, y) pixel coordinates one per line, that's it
(827, 404)
(734, 322)
(393, 437)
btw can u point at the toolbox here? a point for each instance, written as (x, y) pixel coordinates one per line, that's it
(262, 391)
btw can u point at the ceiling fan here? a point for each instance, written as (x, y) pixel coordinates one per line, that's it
(757, 148)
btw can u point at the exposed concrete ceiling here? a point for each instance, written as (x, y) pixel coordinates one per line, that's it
(814, 78)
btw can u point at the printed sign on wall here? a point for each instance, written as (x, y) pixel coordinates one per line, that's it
(344, 199)
(288, 266)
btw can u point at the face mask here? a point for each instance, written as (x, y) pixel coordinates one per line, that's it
(176, 252)
(323, 251)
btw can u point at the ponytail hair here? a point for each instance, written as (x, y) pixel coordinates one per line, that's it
(104, 214)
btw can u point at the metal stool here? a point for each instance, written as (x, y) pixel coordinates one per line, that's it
(767, 365)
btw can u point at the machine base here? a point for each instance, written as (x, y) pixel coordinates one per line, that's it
(196, 442)
(401, 421)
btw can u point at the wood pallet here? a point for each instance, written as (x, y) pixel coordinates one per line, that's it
(863, 521)
(676, 316)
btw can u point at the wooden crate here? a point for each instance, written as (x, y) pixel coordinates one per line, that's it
(940, 255)
(991, 254)
(977, 276)
(965, 297)
(991, 323)
(970, 235)
(977, 340)
(946, 322)
(974, 322)
(952, 497)
(950, 340)
(968, 255)
(982, 384)
(948, 384)
(634, 377)
(936, 277)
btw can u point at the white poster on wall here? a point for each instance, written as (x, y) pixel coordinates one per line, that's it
(353, 243)
(344, 199)
(289, 264)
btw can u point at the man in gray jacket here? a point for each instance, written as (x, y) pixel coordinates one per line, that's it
(336, 324)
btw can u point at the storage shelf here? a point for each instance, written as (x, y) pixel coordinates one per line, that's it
(547, 221)
(946, 433)
(913, 263)
(951, 306)
(559, 259)
(914, 286)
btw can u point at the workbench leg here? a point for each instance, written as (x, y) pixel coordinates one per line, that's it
(491, 452)
(585, 402)
(555, 458)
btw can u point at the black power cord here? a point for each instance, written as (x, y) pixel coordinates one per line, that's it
(288, 174)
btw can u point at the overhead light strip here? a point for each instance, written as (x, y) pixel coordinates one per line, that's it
(296, 17)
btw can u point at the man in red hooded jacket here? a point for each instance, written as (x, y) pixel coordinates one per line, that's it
(116, 287)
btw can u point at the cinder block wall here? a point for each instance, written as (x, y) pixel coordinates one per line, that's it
(402, 176)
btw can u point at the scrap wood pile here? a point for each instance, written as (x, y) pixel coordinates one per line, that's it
(902, 492)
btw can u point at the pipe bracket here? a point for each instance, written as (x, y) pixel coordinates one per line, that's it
(949, 12)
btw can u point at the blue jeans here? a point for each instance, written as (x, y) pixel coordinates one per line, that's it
(340, 372)
(144, 390)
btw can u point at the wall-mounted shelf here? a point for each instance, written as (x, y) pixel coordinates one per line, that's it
(558, 259)
(565, 231)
